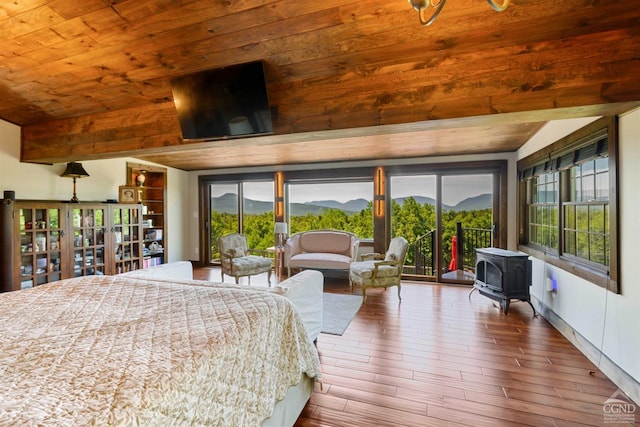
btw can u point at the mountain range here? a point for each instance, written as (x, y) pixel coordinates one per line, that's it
(227, 203)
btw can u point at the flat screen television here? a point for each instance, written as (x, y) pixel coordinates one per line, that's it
(228, 102)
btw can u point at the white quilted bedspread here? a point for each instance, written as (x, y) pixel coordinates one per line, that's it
(109, 350)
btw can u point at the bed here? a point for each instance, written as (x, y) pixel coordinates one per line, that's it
(117, 350)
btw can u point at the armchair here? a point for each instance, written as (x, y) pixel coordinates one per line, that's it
(376, 271)
(236, 260)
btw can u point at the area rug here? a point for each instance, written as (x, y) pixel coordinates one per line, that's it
(338, 311)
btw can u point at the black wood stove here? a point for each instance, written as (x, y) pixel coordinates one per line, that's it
(503, 276)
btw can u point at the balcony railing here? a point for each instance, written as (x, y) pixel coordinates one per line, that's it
(424, 261)
(467, 240)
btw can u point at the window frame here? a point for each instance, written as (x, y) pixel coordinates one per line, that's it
(544, 206)
(290, 185)
(599, 274)
(204, 181)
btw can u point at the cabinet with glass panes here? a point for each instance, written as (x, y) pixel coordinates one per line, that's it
(107, 239)
(88, 235)
(40, 230)
(50, 241)
(127, 234)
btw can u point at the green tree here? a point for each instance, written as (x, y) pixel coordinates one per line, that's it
(410, 220)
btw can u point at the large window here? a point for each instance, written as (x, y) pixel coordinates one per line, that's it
(472, 193)
(336, 204)
(569, 203)
(244, 206)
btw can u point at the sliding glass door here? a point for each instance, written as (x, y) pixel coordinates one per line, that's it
(240, 207)
(445, 217)
(413, 216)
(445, 211)
(466, 224)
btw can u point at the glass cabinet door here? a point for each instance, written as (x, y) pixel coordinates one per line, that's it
(40, 231)
(127, 238)
(88, 241)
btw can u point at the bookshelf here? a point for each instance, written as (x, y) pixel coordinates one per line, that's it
(151, 184)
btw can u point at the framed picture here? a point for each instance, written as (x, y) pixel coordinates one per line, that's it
(128, 194)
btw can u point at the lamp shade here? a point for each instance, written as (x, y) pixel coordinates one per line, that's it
(280, 228)
(74, 170)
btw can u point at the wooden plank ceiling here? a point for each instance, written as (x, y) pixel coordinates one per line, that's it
(348, 80)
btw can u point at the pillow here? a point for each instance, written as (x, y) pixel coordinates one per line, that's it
(237, 252)
(325, 241)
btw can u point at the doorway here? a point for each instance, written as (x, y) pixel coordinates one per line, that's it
(445, 216)
(244, 207)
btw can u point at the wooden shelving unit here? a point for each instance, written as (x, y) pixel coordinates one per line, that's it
(152, 194)
(49, 241)
(40, 228)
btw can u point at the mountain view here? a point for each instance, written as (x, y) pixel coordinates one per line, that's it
(227, 203)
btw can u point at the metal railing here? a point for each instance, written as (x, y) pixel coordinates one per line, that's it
(472, 238)
(468, 239)
(423, 255)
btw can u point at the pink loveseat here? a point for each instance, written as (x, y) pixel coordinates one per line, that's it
(321, 250)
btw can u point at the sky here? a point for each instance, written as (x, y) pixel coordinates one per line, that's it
(455, 189)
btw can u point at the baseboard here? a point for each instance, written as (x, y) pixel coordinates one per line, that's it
(625, 382)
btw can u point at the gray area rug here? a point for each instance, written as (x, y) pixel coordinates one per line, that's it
(338, 311)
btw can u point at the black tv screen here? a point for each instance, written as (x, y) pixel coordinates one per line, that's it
(227, 102)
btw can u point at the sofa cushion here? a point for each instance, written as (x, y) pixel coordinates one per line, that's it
(326, 242)
(320, 261)
(364, 269)
(250, 264)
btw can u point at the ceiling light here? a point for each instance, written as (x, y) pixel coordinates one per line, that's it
(423, 5)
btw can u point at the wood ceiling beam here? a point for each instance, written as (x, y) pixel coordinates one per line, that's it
(132, 137)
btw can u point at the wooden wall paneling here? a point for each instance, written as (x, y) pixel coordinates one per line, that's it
(335, 65)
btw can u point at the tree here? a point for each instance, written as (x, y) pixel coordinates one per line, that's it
(409, 219)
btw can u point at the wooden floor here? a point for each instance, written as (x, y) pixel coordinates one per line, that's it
(439, 358)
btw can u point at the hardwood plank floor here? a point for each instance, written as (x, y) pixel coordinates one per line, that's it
(442, 359)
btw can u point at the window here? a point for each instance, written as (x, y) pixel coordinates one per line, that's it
(543, 196)
(238, 204)
(569, 214)
(586, 212)
(335, 204)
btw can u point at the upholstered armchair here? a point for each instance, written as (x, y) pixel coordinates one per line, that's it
(377, 271)
(237, 261)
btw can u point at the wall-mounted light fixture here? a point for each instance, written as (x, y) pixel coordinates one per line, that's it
(379, 193)
(74, 170)
(422, 6)
(279, 196)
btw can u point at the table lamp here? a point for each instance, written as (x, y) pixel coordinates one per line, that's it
(74, 170)
(280, 229)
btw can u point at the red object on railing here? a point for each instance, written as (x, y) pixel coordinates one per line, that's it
(453, 265)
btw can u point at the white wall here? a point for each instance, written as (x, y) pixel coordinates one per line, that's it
(43, 182)
(177, 217)
(609, 322)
